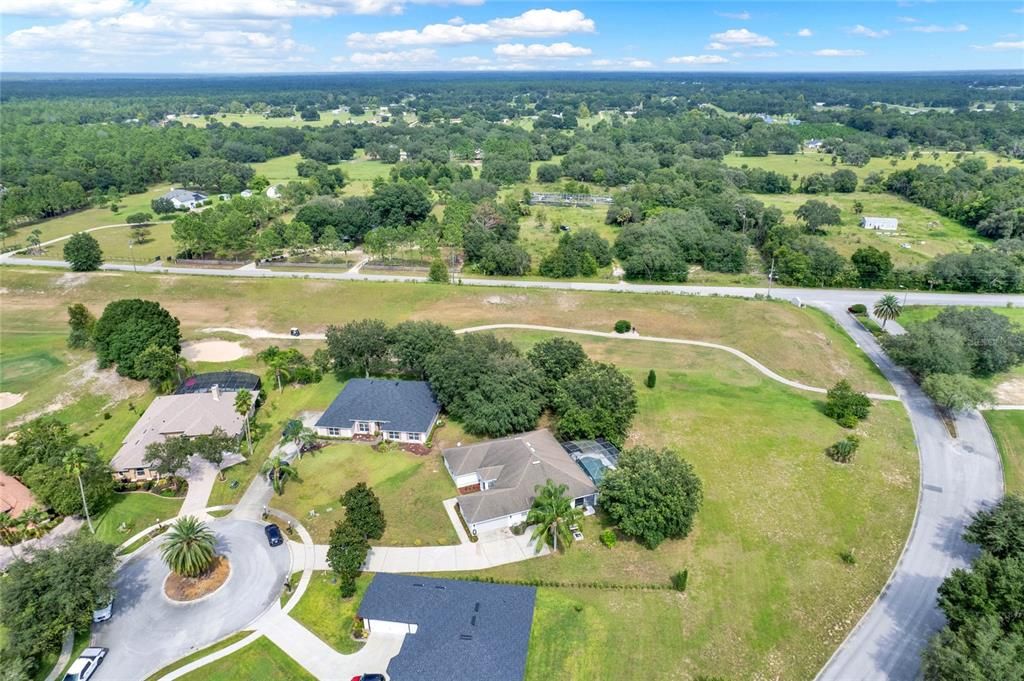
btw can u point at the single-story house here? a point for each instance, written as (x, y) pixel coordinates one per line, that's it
(185, 415)
(454, 630)
(245, 193)
(184, 198)
(497, 479)
(15, 498)
(883, 224)
(402, 411)
(225, 381)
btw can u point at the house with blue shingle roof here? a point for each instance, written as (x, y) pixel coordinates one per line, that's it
(401, 411)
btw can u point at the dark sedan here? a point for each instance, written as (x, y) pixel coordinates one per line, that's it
(274, 535)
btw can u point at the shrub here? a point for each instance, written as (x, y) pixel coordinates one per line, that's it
(679, 580)
(438, 272)
(845, 405)
(843, 451)
(652, 379)
(608, 538)
(623, 326)
(858, 308)
(847, 557)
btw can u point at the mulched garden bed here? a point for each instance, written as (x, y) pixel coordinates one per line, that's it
(184, 589)
(411, 447)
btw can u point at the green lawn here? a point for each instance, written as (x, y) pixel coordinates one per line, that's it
(324, 612)
(234, 638)
(259, 660)
(137, 510)
(1008, 430)
(767, 588)
(255, 120)
(812, 162)
(915, 314)
(411, 489)
(922, 235)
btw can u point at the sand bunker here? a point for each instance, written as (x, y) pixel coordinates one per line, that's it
(213, 351)
(10, 399)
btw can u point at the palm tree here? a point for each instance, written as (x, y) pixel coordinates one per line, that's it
(243, 403)
(553, 514)
(888, 307)
(278, 471)
(188, 549)
(73, 464)
(277, 362)
(304, 437)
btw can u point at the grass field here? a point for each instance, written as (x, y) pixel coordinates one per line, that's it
(324, 612)
(260, 659)
(763, 557)
(255, 120)
(411, 489)
(922, 235)
(812, 162)
(1008, 430)
(178, 664)
(802, 344)
(137, 511)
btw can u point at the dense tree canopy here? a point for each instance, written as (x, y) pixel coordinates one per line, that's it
(82, 252)
(127, 327)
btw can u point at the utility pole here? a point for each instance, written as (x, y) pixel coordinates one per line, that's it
(771, 276)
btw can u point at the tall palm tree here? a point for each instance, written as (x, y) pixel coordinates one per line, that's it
(278, 471)
(553, 513)
(888, 307)
(277, 362)
(74, 465)
(243, 403)
(188, 549)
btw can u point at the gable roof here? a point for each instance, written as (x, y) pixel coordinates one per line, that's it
(227, 381)
(404, 406)
(188, 415)
(184, 195)
(516, 465)
(466, 631)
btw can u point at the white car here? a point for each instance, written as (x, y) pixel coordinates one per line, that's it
(86, 665)
(103, 614)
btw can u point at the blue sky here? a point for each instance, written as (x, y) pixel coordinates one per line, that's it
(245, 36)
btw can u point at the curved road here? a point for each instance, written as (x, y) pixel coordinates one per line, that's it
(958, 476)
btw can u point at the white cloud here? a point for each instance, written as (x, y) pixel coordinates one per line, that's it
(741, 16)
(69, 8)
(866, 32)
(471, 61)
(934, 28)
(907, 20)
(627, 63)
(1001, 46)
(538, 51)
(805, 33)
(698, 59)
(456, 21)
(830, 52)
(639, 63)
(402, 58)
(534, 23)
(738, 37)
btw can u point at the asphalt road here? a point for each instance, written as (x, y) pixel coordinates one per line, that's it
(957, 476)
(148, 632)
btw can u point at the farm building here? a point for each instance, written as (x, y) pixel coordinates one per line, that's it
(883, 224)
(497, 478)
(454, 630)
(401, 411)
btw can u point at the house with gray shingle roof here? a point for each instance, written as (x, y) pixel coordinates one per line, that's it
(497, 479)
(184, 198)
(402, 411)
(454, 630)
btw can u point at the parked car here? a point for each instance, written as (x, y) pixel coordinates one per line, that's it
(102, 614)
(369, 677)
(86, 665)
(274, 536)
(294, 331)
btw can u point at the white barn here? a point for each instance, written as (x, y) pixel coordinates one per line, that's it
(882, 224)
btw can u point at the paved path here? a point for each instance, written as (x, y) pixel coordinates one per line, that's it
(67, 528)
(201, 477)
(263, 333)
(957, 478)
(453, 517)
(66, 648)
(492, 550)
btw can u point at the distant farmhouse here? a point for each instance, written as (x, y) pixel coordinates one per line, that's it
(497, 479)
(198, 408)
(401, 411)
(183, 198)
(883, 224)
(454, 630)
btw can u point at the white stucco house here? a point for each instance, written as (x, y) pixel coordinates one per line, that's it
(400, 411)
(881, 224)
(184, 198)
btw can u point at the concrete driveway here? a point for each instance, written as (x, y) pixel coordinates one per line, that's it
(147, 631)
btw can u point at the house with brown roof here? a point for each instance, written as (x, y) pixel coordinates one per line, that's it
(497, 479)
(14, 496)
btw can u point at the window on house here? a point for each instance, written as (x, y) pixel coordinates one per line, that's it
(364, 427)
(140, 471)
(334, 431)
(415, 437)
(394, 435)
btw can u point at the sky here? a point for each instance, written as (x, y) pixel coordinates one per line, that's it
(259, 36)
